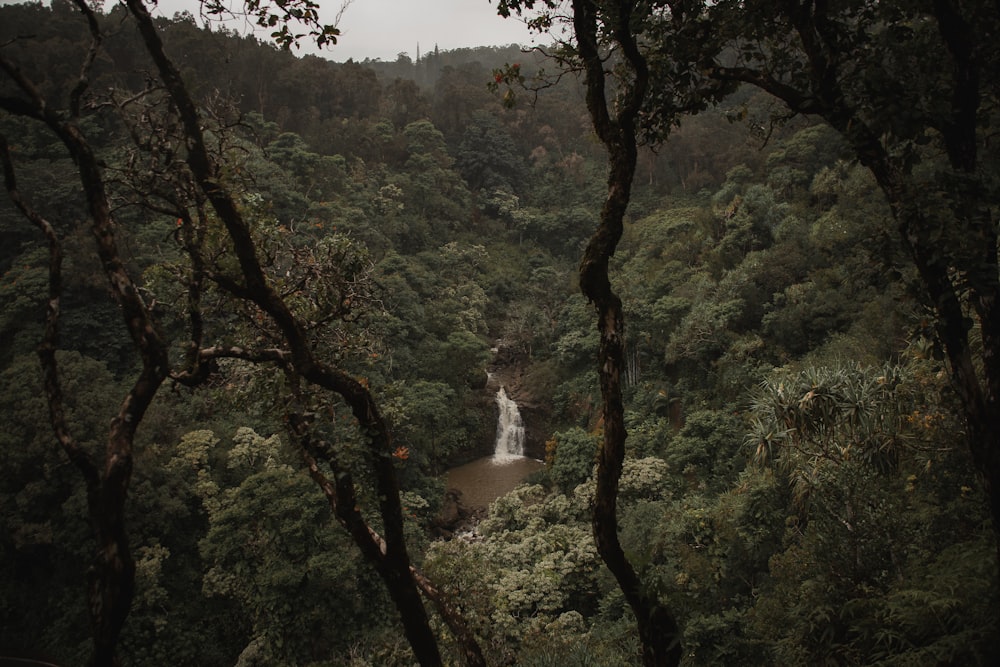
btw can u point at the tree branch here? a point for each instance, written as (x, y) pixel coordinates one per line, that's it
(83, 81)
(50, 339)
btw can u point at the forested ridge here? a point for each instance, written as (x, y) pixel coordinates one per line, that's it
(226, 428)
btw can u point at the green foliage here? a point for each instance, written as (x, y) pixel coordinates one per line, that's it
(279, 17)
(531, 572)
(853, 447)
(835, 416)
(43, 504)
(428, 425)
(272, 546)
(486, 158)
(416, 225)
(570, 458)
(706, 450)
(23, 288)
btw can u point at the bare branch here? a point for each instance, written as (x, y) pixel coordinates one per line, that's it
(83, 81)
(50, 340)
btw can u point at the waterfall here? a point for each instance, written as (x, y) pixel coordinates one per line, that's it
(510, 430)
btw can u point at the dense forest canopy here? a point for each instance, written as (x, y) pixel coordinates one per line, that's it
(249, 301)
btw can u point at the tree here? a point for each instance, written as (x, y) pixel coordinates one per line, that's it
(38, 540)
(270, 546)
(486, 157)
(911, 89)
(616, 127)
(615, 97)
(866, 455)
(112, 575)
(286, 297)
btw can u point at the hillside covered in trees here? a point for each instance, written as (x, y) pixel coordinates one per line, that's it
(248, 301)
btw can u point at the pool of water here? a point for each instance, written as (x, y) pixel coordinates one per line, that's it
(484, 480)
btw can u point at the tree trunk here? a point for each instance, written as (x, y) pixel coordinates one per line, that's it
(388, 561)
(111, 578)
(659, 632)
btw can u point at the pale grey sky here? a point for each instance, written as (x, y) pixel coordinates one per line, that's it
(384, 28)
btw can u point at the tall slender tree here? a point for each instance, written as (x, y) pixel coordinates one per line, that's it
(608, 48)
(616, 127)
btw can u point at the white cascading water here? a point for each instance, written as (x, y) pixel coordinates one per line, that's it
(510, 430)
